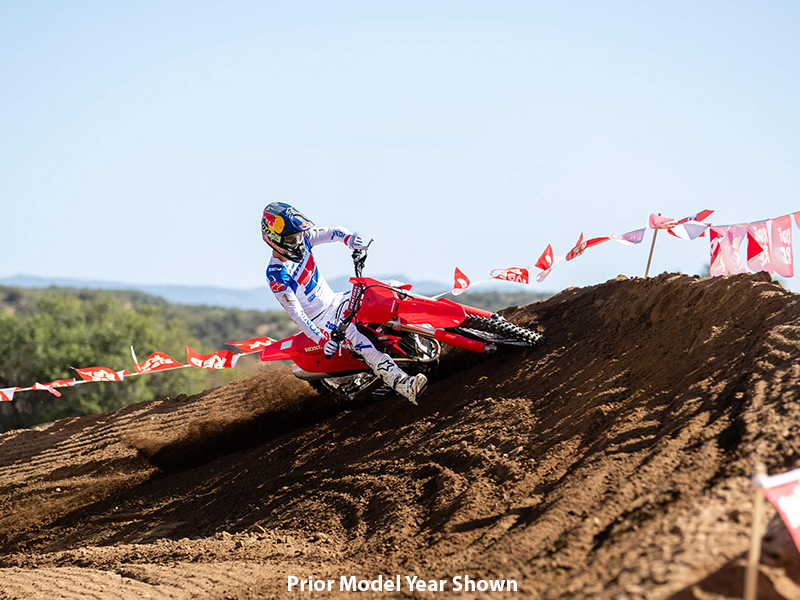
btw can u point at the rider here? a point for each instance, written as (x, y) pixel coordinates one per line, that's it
(302, 290)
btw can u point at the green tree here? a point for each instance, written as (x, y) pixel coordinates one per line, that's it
(66, 330)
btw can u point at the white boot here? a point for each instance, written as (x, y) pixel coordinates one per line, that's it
(397, 379)
(412, 387)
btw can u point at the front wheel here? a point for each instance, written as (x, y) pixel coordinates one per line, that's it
(497, 330)
(360, 386)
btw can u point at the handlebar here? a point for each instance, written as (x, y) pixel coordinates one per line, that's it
(360, 257)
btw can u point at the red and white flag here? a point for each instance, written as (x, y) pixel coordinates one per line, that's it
(784, 492)
(729, 247)
(658, 222)
(717, 266)
(51, 387)
(556, 260)
(703, 214)
(758, 255)
(797, 219)
(98, 374)
(546, 259)
(7, 394)
(782, 259)
(460, 282)
(252, 345)
(517, 274)
(581, 246)
(688, 230)
(223, 359)
(62, 382)
(157, 361)
(631, 238)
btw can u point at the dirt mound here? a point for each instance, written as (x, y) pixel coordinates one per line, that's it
(612, 463)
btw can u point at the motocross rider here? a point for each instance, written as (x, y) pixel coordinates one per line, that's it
(303, 292)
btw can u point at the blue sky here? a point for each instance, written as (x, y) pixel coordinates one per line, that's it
(140, 141)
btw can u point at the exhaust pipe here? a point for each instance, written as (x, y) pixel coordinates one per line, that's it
(308, 376)
(440, 335)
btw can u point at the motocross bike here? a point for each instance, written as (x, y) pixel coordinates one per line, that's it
(408, 327)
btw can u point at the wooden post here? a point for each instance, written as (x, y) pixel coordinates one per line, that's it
(751, 575)
(652, 247)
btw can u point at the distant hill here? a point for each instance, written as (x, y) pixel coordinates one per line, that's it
(253, 299)
(261, 298)
(427, 288)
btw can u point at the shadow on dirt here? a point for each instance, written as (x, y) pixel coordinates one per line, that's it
(206, 440)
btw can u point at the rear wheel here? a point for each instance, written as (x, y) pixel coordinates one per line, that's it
(498, 330)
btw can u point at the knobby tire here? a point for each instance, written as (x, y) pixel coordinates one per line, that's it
(506, 329)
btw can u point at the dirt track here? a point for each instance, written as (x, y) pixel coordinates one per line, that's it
(612, 463)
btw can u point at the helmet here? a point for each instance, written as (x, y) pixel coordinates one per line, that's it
(282, 227)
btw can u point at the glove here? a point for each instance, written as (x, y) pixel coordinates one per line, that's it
(356, 242)
(330, 348)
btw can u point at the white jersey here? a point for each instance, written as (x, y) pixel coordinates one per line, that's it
(300, 287)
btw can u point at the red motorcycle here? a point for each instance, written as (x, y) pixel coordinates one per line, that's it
(409, 327)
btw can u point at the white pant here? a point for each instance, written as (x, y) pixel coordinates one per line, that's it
(327, 322)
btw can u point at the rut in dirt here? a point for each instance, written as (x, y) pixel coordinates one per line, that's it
(613, 459)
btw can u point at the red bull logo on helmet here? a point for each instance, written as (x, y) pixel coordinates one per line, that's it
(274, 222)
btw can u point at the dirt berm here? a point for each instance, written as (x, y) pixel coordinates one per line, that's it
(612, 463)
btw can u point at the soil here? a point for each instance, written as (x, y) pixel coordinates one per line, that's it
(614, 462)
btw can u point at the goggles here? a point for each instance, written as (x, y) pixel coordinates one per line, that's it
(293, 240)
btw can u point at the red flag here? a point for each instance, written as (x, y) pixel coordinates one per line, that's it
(98, 374)
(252, 345)
(782, 259)
(460, 283)
(758, 258)
(784, 493)
(717, 265)
(224, 359)
(546, 259)
(7, 394)
(581, 246)
(797, 219)
(157, 361)
(518, 274)
(703, 214)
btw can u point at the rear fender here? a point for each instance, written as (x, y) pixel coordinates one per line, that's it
(470, 310)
